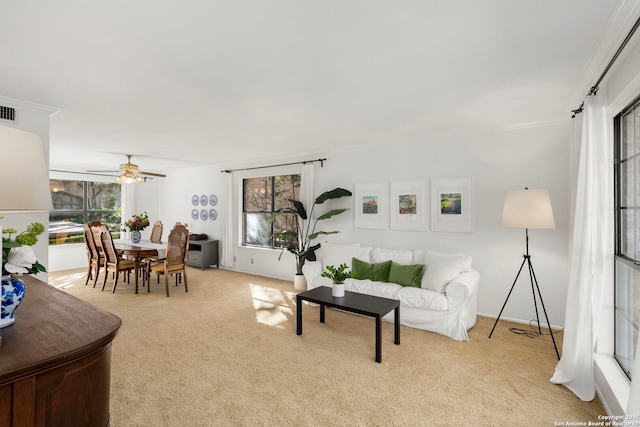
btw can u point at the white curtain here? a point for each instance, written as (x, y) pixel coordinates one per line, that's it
(307, 196)
(306, 184)
(127, 206)
(591, 261)
(227, 243)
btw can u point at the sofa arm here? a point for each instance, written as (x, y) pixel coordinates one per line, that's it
(312, 271)
(463, 288)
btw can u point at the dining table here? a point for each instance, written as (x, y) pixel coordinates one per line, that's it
(139, 251)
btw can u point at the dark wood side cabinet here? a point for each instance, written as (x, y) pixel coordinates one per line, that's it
(55, 361)
(203, 253)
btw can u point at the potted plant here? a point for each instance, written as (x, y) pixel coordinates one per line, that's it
(17, 258)
(337, 276)
(302, 248)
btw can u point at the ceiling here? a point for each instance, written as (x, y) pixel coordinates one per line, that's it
(221, 82)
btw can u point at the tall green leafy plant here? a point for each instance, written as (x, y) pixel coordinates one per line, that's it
(303, 249)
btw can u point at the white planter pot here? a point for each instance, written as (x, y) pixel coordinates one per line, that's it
(299, 282)
(337, 290)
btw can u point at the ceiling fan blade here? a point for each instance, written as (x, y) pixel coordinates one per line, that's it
(109, 171)
(152, 174)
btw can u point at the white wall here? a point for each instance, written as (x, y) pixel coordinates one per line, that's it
(175, 200)
(497, 162)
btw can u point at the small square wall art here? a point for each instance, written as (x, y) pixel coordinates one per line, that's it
(371, 205)
(408, 207)
(451, 205)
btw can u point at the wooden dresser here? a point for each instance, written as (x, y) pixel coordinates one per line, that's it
(55, 361)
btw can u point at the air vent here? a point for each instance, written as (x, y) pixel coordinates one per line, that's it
(7, 113)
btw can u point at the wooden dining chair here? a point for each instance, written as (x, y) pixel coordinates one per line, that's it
(112, 261)
(156, 232)
(175, 260)
(156, 237)
(94, 257)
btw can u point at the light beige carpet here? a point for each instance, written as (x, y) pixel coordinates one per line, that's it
(226, 353)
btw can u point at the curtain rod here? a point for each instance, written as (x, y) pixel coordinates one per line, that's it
(594, 88)
(273, 166)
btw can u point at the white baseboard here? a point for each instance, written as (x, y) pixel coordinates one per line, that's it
(525, 322)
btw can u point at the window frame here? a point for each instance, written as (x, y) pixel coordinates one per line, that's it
(85, 212)
(623, 260)
(273, 241)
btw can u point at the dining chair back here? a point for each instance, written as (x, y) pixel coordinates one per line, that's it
(175, 260)
(156, 232)
(95, 229)
(93, 255)
(112, 262)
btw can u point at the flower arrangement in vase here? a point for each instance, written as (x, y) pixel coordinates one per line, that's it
(136, 224)
(17, 258)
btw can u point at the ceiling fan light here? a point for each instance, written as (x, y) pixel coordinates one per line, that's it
(129, 177)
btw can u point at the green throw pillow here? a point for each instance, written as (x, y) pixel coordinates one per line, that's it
(380, 271)
(406, 275)
(360, 270)
(377, 272)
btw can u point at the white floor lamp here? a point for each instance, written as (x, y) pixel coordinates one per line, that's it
(528, 209)
(24, 174)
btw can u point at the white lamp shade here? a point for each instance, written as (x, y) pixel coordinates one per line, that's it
(528, 209)
(24, 175)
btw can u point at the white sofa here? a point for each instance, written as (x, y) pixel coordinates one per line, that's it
(444, 302)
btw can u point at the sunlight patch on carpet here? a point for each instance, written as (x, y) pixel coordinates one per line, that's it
(66, 280)
(271, 307)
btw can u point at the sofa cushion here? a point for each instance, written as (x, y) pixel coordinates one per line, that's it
(397, 256)
(336, 254)
(406, 275)
(378, 289)
(364, 253)
(442, 268)
(422, 298)
(377, 272)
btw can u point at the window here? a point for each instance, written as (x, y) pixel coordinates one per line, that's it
(627, 245)
(261, 197)
(78, 202)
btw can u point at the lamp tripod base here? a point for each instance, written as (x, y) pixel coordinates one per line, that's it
(534, 281)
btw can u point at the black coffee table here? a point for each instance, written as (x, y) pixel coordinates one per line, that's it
(353, 302)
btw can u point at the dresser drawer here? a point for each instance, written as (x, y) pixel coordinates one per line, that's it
(195, 258)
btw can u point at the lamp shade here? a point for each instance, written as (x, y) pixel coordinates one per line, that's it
(528, 209)
(24, 175)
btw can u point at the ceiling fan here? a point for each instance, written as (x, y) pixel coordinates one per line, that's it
(131, 172)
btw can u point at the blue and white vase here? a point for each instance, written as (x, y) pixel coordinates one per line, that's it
(12, 293)
(135, 236)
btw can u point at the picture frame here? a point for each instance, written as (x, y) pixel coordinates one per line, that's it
(371, 205)
(452, 204)
(408, 206)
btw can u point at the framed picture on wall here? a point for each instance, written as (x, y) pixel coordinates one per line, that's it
(408, 206)
(371, 205)
(452, 205)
